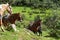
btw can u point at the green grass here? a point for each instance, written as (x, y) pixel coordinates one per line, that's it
(23, 33)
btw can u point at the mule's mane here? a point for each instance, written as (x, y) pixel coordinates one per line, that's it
(14, 15)
(37, 23)
(4, 8)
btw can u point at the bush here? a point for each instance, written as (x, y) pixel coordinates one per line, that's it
(53, 24)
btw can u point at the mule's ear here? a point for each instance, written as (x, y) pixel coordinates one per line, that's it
(7, 4)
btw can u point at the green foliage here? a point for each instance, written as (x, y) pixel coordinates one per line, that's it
(34, 3)
(52, 24)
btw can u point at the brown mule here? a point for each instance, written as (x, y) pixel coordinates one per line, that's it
(36, 27)
(7, 20)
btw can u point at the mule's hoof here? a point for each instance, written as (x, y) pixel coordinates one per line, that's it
(17, 31)
(3, 30)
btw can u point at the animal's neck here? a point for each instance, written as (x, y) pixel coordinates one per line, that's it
(37, 23)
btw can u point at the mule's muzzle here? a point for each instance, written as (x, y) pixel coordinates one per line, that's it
(21, 20)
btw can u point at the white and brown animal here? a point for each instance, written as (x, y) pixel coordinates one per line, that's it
(10, 20)
(3, 9)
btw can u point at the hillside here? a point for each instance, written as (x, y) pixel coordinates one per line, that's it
(28, 14)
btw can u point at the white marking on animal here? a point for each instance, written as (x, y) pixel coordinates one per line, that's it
(14, 27)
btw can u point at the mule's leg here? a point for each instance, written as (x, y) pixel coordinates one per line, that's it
(1, 23)
(40, 32)
(14, 27)
(2, 28)
(34, 32)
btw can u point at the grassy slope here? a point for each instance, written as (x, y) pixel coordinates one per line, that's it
(23, 34)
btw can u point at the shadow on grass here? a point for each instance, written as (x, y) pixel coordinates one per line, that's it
(55, 36)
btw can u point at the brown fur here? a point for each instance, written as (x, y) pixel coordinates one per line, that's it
(11, 19)
(36, 27)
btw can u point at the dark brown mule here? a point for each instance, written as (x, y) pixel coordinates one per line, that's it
(6, 20)
(36, 27)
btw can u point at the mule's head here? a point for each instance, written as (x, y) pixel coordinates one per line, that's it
(9, 8)
(19, 17)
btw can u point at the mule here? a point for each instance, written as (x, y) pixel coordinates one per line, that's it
(3, 9)
(10, 20)
(35, 27)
